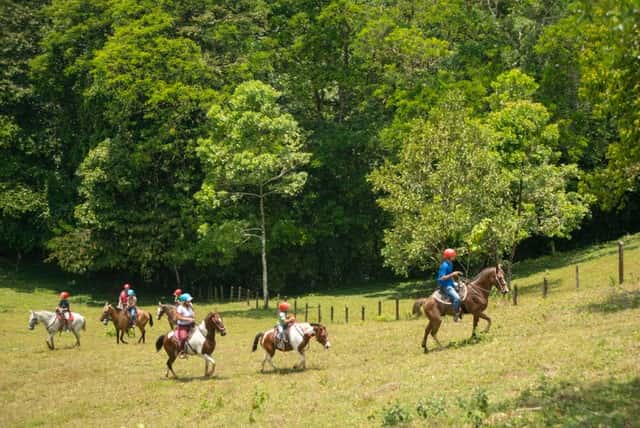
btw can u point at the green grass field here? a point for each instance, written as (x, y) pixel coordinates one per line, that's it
(572, 359)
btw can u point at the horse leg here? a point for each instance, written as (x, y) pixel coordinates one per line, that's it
(485, 317)
(122, 332)
(142, 336)
(427, 330)
(50, 341)
(75, 333)
(302, 363)
(208, 359)
(434, 331)
(475, 325)
(268, 355)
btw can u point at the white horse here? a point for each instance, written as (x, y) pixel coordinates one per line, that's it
(299, 336)
(53, 324)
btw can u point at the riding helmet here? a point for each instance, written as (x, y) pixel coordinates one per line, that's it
(449, 253)
(64, 295)
(283, 306)
(131, 293)
(127, 286)
(186, 297)
(177, 292)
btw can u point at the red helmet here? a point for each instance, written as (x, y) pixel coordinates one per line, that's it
(64, 295)
(283, 307)
(449, 253)
(127, 286)
(177, 292)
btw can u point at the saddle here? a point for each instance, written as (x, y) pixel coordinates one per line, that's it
(444, 299)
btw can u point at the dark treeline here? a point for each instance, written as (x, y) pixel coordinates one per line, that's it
(142, 136)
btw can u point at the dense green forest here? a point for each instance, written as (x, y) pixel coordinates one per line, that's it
(177, 141)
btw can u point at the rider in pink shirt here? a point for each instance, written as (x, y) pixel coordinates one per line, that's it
(123, 300)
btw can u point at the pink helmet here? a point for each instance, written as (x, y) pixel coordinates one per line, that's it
(127, 286)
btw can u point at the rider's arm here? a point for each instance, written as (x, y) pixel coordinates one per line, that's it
(184, 318)
(451, 275)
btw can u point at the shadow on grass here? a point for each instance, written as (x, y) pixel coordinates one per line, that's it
(284, 371)
(605, 403)
(617, 300)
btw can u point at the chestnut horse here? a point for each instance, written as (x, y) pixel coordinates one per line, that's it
(299, 336)
(168, 310)
(475, 302)
(202, 342)
(122, 323)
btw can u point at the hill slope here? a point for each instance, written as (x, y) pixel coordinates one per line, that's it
(569, 359)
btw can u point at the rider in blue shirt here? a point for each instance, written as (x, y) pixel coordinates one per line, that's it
(445, 280)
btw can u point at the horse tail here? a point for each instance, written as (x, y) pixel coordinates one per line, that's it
(417, 307)
(159, 343)
(150, 319)
(84, 324)
(255, 341)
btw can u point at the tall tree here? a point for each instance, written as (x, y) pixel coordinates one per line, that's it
(255, 152)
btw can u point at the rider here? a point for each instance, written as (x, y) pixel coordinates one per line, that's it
(131, 306)
(122, 300)
(445, 280)
(284, 322)
(64, 310)
(186, 318)
(176, 296)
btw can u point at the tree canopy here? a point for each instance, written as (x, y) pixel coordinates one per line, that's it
(133, 134)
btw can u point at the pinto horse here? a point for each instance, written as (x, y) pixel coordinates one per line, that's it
(201, 342)
(475, 303)
(299, 336)
(122, 322)
(168, 310)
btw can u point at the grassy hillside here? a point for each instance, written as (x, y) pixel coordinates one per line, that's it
(571, 359)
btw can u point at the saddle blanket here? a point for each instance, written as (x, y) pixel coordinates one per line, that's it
(444, 299)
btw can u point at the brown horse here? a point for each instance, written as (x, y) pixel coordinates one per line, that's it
(121, 321)
(475, 302)
(202, 342)
(168, 310)
(299, 336)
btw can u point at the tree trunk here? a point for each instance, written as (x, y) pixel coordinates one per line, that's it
(263, 239)
(177, 274)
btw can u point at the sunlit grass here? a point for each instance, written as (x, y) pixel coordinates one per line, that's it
(570, 359)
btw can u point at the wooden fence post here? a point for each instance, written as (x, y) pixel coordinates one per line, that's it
(295, 307)
(363, 313)
(397, 309)
(379, 308)
(577, 277)
(231, 293)
(239, 294)
(545, 287)
(257, 297)
(248, 296)
(346, 314)
(306, 312)
(515, 295)
(319, 314)
(331, 313)
(620, 262)
(209, 293)
(221, 293)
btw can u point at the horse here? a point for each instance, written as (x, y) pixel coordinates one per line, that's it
(299, 336)
(475, 302)
(201, 342)
(53, 324)
(121, 321)
(168, 310)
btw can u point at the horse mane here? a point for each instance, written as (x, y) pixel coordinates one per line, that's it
(482, 272)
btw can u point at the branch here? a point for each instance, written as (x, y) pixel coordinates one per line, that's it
(277, 177)
(253, 195)
(252, 235)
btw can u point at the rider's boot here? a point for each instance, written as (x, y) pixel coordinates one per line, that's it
(456, 316)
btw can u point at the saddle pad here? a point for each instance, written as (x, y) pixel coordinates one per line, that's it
(444, 299)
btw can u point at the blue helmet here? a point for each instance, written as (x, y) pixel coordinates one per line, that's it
(131, 293)
(185, 297)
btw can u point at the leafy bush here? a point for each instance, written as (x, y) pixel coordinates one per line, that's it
(476, 408)
(395, 415)
(431, 407)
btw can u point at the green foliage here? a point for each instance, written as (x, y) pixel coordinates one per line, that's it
(476, 408)
(396, 415)
(431, 407)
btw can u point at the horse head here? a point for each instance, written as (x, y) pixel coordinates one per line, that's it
(500, 279)
(213, 321)
(321, 334)
(160, 310)
(106, 313)
(33, 320)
